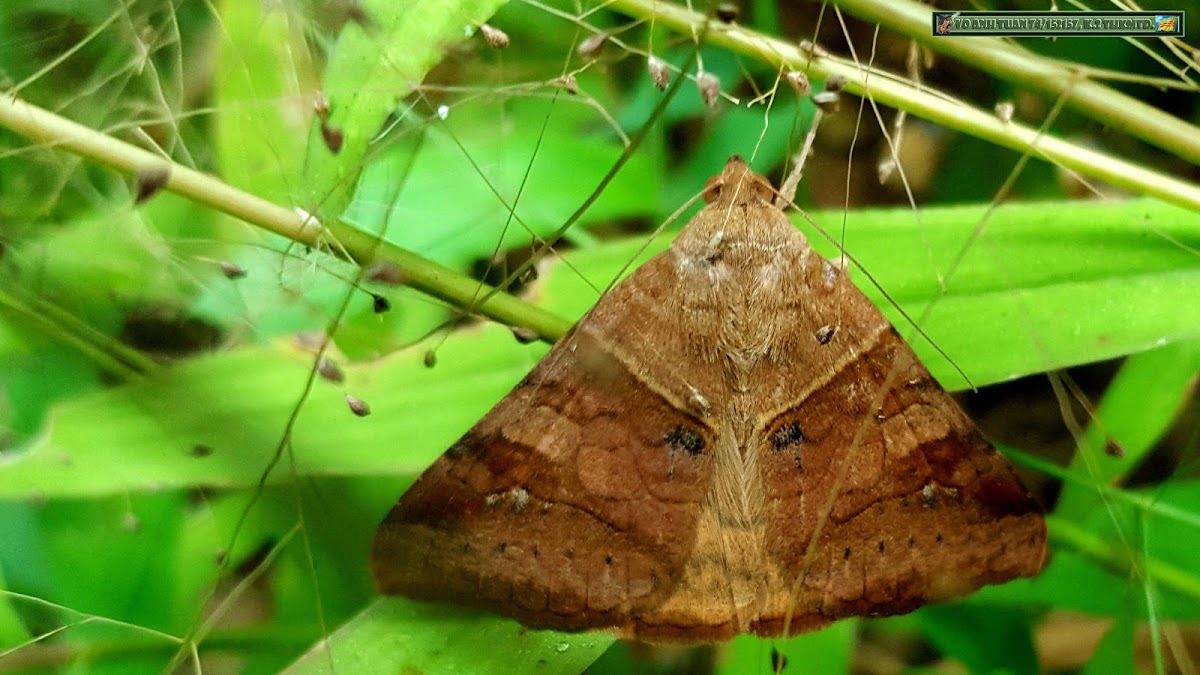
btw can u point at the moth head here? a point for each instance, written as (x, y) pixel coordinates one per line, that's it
(737, 184)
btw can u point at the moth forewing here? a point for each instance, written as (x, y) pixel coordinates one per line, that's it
(733, 440)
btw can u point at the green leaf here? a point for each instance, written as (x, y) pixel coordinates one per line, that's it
(824, 651)
(1138, 407)
(1105, 565)
(261, 57)
(985, 638)
(1114, 656)
(124, 543)
(12, 629)
(397, 635)
(454, 210)
(376, 63)
(218, 421)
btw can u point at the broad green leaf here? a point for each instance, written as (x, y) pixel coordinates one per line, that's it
(824, 651)
(1138, 407)
(374, 64)
(455, 210)
(108, 538)
(218, 421)
(397, 635)
(984, 638)
(1104, 565)
(265, 90)
(12, 629)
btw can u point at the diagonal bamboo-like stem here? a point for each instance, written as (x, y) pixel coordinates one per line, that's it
(429, 277)
(1045, 75)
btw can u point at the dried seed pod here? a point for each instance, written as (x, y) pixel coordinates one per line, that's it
(357, 406)
(836, 83)
(799, 82)
(885, 169)
(1005, 110)
(569, 83)
(524, 335)
(385, 272)
(728, 12)
(494, 37)
(321, 106)
(812, 49)
(151, 179)
(827, 101)
(310, 340)
(329, 370)
(232, 270)
(710, 89)
(333, 137)
(591, 47)
(660, 74)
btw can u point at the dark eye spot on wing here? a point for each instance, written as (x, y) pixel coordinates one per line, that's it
(788, 434)
(682, 439)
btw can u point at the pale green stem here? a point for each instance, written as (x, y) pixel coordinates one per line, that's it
(897, 92)
(52, 130)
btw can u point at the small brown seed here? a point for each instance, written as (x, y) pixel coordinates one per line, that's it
(710, 89)
(660, 74)
(799, 82)
(493, 36)
(357, 406)
(591, 47)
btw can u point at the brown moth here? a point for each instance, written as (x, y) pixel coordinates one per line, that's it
(732, 440)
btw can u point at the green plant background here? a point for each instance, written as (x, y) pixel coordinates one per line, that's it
(146, 398)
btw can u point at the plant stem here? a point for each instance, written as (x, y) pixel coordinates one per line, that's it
(112, 356)
(45, 127)
(891, 90)
(1106, 554)
(1008, 61)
